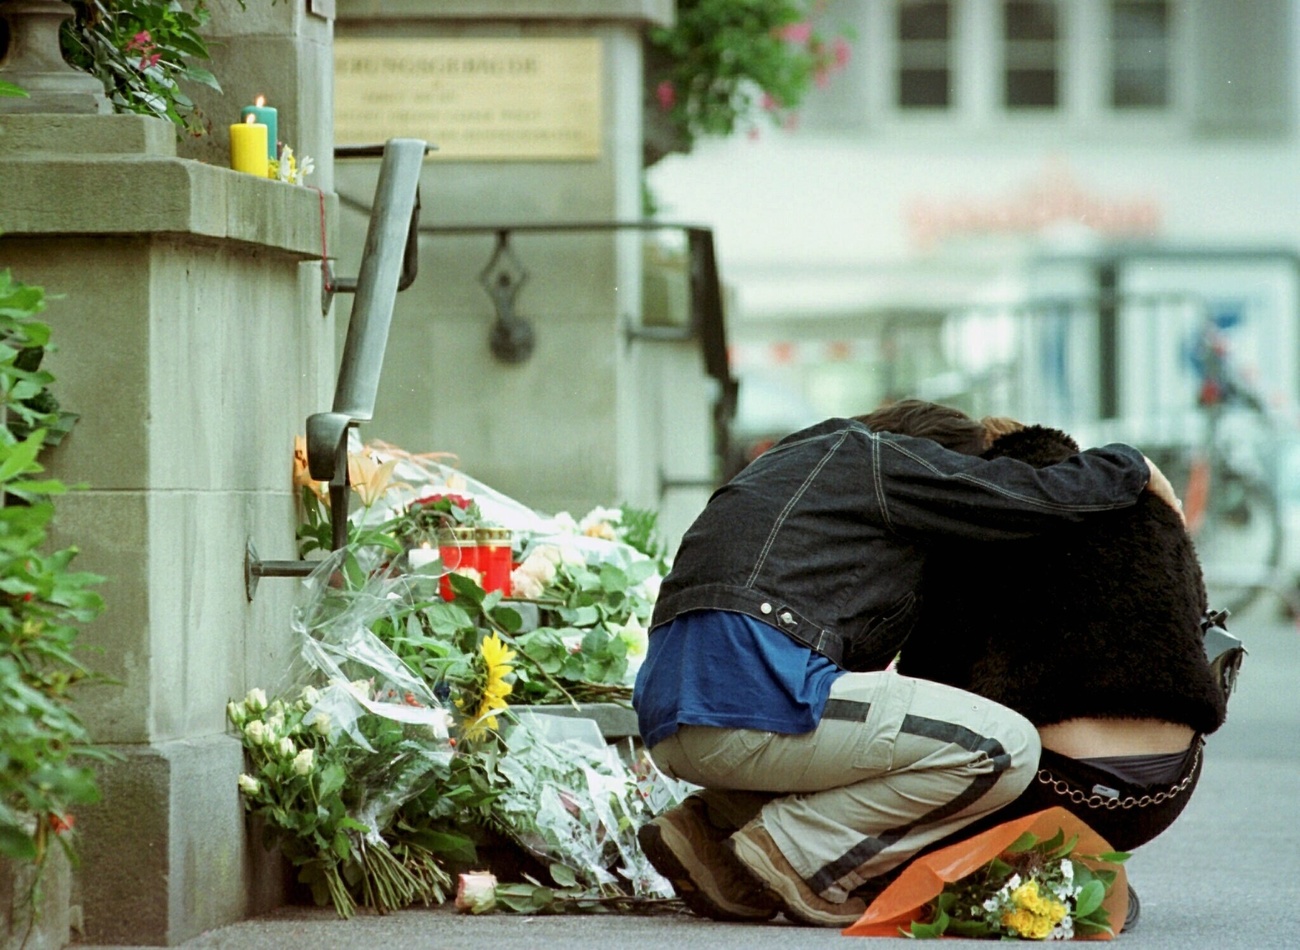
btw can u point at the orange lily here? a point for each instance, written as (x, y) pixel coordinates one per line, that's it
(302, 474)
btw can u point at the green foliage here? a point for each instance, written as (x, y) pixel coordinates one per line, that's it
(724, 62)
(9, 91)
(142, 51)
(45, 750)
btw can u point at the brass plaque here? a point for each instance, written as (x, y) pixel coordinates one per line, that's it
(475, 99)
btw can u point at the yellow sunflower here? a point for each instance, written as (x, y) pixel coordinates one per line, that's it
(497, 665)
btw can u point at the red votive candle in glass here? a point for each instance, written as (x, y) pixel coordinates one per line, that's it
(458, 551)
(494, 558)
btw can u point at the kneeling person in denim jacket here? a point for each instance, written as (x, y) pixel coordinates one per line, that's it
(764, 681)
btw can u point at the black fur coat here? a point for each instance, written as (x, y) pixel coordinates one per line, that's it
(1100, 619)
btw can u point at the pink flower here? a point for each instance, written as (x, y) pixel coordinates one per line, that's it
(666, 93)
(841, 50)
(795, 32)
(141, 41)
(769, 103)
(147, 61)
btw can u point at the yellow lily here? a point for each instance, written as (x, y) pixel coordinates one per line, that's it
(370, 479)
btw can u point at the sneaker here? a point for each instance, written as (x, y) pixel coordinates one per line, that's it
(685, 847)
(755, 849)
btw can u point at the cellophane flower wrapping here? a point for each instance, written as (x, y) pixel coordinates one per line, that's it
(573, 800)
(365, 695)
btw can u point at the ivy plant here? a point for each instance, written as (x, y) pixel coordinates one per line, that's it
(46, 754)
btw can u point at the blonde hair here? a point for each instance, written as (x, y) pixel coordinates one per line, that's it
(997, 426)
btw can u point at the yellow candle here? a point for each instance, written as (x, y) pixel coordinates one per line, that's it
(248, 148)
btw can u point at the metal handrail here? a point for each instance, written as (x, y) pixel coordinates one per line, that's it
(380, 278)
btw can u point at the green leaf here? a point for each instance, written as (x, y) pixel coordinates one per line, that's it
(20, 457)
(341, 846)
(1089, 898)
(1114, 857)
(933, 929)
(563, 875)
(16, 844)
(1023, 843)
(9, 90)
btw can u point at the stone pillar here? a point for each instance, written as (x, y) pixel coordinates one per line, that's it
(184, 301)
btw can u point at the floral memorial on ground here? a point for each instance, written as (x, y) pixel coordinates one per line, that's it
(411, 726)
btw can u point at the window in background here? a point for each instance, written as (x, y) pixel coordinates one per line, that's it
(925, 48)
(1031, 54)
(1140, 42)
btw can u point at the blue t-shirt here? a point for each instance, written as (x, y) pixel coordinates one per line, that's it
(721, 668)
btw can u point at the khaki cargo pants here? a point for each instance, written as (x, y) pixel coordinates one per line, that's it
(895, 765)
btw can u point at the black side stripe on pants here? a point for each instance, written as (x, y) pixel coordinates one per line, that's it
(940, 731)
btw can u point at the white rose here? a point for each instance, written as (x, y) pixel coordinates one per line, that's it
(235, 713)
(598, 515)
(286, 747)
(321, 724)
(303, 761)
(310, 696)
(476, 892)
(572, 557)
(525, 586)
(546, 552)
(249, 785)
(472, 573)
(564, 522)
(255, 732)
(539, 566)
(361, 688)
(255, 701)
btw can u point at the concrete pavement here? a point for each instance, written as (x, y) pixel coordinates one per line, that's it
(1224, 876)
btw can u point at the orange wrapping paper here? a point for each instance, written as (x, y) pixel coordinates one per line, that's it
(905, 900)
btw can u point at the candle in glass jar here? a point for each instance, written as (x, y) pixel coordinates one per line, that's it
(494, 550)
(269, 117)
(459, 554)
(248, 148)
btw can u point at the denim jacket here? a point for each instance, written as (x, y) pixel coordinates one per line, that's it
(823, 535)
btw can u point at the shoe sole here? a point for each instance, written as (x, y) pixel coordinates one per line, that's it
(658, 842)
(780, 884)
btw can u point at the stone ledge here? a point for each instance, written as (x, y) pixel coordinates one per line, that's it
(119, 174)
(613, 720)
(65, 135)
(146, 195)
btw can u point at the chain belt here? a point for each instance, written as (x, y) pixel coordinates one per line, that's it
(1079, 797)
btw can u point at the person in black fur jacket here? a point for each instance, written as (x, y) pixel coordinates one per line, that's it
(1093, 634)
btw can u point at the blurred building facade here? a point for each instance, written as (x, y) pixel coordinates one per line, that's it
(1017, 206)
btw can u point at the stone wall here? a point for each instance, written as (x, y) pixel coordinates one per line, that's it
(184, 302)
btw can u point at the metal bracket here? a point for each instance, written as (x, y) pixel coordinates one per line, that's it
(255, 569)
(512, 338)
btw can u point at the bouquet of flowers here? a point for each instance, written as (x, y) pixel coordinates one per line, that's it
(354, 736)
(1043, 876)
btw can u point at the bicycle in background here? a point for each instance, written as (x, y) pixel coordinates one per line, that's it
(1227, 480)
